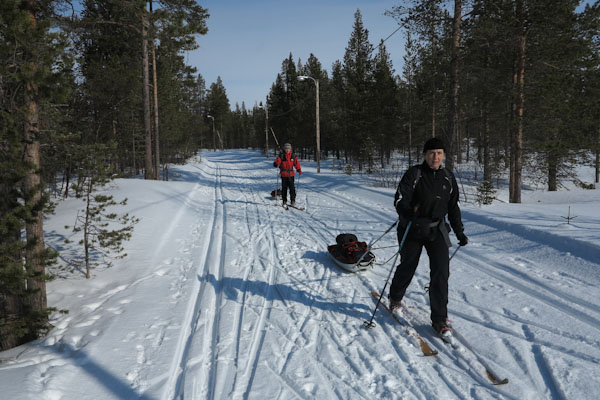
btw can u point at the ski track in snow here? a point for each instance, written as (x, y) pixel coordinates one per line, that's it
(261, 312)
(189, 325)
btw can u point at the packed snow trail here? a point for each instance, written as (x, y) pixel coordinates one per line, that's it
(225, 294)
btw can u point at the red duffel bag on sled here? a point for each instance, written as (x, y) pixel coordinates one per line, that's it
(350, 254)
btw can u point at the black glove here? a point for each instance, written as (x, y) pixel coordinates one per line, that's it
(462, 239)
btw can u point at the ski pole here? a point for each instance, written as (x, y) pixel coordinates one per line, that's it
(275, 137)
(370, 324)
(458, 248)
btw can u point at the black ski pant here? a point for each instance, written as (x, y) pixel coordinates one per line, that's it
(437, 250)
(288, 183)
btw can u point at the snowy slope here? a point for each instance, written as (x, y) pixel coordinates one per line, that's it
(226, 295)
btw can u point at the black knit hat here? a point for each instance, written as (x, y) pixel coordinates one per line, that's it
(434, 144)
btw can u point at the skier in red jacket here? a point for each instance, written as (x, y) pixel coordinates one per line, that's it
(286, 162)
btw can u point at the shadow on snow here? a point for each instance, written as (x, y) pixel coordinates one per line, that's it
(233, 288)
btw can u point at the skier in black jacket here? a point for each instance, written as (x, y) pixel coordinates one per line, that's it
(426, 194)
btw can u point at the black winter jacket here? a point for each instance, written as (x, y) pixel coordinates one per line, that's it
(435, 193)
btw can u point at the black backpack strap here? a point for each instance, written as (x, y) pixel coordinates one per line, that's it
(449, 177)
(417, 177)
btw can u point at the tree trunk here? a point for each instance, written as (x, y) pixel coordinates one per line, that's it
(155, 90)
(86, 230)
(146, 93)
(11, 308)
(487, 168)
(34, 228)
(452, 132)
(433, 86)
(518, 106)
(552, 172)
(597, 165)
(11, 299)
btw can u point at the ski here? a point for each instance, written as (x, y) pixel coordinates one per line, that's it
(408, 328)
(491, 375)
(297, 207)
(461, 347)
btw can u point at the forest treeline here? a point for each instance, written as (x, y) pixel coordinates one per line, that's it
(89, 91)
(93, 90)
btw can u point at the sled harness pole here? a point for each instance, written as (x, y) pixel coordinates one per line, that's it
(376, 240)
(370, 324)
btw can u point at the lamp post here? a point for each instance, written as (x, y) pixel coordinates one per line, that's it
(213, 129)
(266, 107)
(317, 123)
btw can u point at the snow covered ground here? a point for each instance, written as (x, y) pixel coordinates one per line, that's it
(226, 295)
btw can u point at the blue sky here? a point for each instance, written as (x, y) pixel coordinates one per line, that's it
(248, 40)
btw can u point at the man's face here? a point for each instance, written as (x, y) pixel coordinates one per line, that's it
(288, 151)
(434, 158)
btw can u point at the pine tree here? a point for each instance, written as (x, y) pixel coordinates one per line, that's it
(101, 240)
(487, 92)
(30, 67)
(358, 75)
(486, 192)
(453, 93)
(337, 111)
(425, 19)
(407, 93)
(553, 87)
(385, 107)
(219, 109)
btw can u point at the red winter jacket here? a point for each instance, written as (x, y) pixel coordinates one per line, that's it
(286, 163)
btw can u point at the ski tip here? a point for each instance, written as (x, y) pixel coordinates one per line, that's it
(495, 380)
(425, 348)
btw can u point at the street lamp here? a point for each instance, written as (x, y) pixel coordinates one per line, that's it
(213, 125)
(317, 123)
(266, 108)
